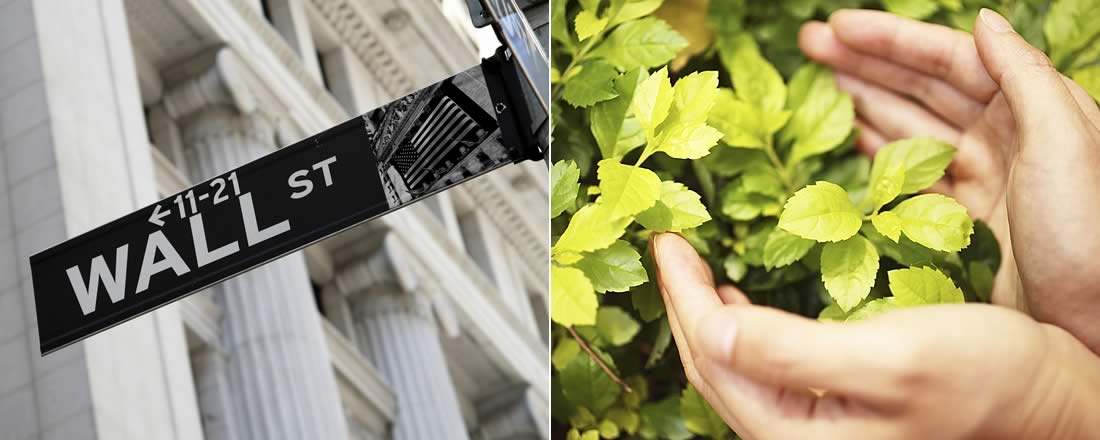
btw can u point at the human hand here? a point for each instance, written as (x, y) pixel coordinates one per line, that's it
(902, 375)
(1028, 160)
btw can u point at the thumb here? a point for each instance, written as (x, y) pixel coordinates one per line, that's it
(1042, 105)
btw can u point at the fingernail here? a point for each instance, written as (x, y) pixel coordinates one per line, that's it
(995, 21)
(717, 334)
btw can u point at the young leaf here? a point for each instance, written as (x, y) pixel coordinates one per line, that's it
(822, 120)
(693, 96)
(699, 417)
(615, 133)
(741, 124)
(652, 101)
(662, 419)
(591, 85)
(679, 208)
(627, 190)
(585, 384)
(588, 23)
(688, 141)
(848, 269)
(754, 79)
(935, 221)
(616, 326)
(887, 187)
(622, 11)
(923, 160)
(783, 248)
(887, 224)
(821, 212)
(563, 186)
(592, 227)
(917, 9)
(763, 180)
(564, 352)
(1089, 79)
(923, 285)
(832, 312)
(874, 308)
(648, 42)
(739, 204)
(573, 302)
(616, 268)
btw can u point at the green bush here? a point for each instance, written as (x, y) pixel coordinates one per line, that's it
(678, 117)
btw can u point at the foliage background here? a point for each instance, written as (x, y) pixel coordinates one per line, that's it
(630, 334)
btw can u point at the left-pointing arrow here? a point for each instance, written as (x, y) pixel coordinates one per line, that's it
(156, 217)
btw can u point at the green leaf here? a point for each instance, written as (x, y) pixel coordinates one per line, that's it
(763, 180)
(573, 302)
(563, 186)
(802, 9)
(784, 248)
(662, 419)
(652, 102)
(627, 190)
(678, 208)
(822, 120)
(616, 268)
(1089, 79)
(564, 353)
(923, 285)
(922, 159)
(916, 9)
(585, 384)
(754, 79)
(648, 42)
(832, 312)
(699, 417)
(688, 141)
(739, 204)
(660, 344)
(608, 429)
(645, 298)
(693, 96)
(741, 124)
(616, 326)
(935, 221)
(981, 279)
(626, 10)
(1070, 27)
(888, 224)
(983, 247)
(615, 131)
(588, 23)
(821, 212)
(735, 267)
(848, 269)
(887, 187)
(626, 419)
(874, 308)
(591, 228)
(904, 251)
(559, 29)
(592, 84)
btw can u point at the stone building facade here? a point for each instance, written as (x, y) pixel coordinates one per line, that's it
(429, 323)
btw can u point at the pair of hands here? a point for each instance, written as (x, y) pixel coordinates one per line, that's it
(1028, 163)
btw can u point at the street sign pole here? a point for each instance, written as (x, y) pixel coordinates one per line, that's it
(381, 161)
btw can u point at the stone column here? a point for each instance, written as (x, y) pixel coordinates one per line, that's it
(282, 382)
(400, 336)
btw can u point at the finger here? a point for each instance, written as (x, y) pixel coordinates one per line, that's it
(935, 50)
(1043, 107)
(819, 43)
(1084, 100)
(682, 275)
(869, 140)
(732, 295)
(893, 116)
(779, 348)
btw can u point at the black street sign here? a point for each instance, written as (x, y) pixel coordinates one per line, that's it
(368, 166)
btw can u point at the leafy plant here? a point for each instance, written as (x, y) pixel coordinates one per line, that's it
(676, 116)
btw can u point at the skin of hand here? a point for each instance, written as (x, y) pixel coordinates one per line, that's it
(1028, 160)
(992, 373)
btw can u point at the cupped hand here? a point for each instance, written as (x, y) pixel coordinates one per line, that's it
(1028, 160)
(770, 374)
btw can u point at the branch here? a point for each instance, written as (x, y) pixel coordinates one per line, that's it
(598, 360)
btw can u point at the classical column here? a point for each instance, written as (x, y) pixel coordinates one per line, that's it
(282, 382)
(512, 413)
(400, 336)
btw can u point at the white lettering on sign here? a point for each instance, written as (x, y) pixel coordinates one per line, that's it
(114, 281)
(116, 284)
(299, 179)
(202, 252)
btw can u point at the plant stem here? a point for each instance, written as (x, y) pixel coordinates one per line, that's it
(599, 361)
(780, 169)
